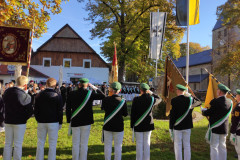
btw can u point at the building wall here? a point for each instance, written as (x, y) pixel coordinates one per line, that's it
(220, 45)
(195, 70)
(199, 86)
(77, 59)
(94, 74)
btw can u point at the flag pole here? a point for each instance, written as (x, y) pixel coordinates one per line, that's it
(187, 56)
(30, 48)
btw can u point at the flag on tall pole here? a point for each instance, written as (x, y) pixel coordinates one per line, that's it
(187, 13)
(171, 79)
(157, 30)
(212, 92)
(185, 8)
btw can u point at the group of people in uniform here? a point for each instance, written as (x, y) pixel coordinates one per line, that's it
(129, 92)
(48, 112)
(218, 114)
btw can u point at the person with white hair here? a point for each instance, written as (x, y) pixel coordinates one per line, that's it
(18, 109)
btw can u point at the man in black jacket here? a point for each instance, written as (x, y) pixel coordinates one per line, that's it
(142, 120)
(180, 123)
(18, 109)
(218, 118)
(48, 112)
(235, 128)
(2, 128)
(63, 90)
(80, 113)
(115, 108)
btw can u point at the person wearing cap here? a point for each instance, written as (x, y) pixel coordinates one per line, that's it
(48, 113)
(180, 123)
(115, 109)
(80, 113)
(235, 127)
(18, 109)
(220, 107)
(142, 111)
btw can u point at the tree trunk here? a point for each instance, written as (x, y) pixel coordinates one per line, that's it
(121, 71)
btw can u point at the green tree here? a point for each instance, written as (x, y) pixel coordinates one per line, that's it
(229, 64)
(230, 13)
(193, 48)
(23, 13)
(127, 23)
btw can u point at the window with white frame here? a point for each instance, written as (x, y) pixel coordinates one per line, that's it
(67, 63)
(46, 62)
(87, 63)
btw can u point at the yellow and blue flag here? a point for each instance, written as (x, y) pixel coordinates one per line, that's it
(182, 11)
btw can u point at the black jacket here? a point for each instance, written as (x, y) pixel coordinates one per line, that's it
(235, 120)
(63, 93)
(1, 110)
(180, 104)
(18, 106)
(85, 116)
(140, 105)
(108, 105)
(48, 107)
(69, 89)
(219, 108)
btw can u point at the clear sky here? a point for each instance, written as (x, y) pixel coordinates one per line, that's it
(74, 13)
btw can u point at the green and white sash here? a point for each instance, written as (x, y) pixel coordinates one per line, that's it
(82, 105)
(110, 116)
(217, 124)
(181, 118)
(142, 117)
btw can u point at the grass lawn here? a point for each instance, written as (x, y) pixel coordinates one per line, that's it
(161, 145)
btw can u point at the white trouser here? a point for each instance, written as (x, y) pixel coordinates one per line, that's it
(52, 130)
(237, 146)
(182, 137)
(13, 134)
(218, 147)
(118, 139)
(143, 145)
(80, 136)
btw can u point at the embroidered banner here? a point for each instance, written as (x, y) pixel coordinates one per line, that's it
(14, 45)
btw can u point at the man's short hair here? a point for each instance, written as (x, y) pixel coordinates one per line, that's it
(51, 82)
(11, 84)
(22, 80)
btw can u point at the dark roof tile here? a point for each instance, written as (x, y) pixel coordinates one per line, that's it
(195, 59)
